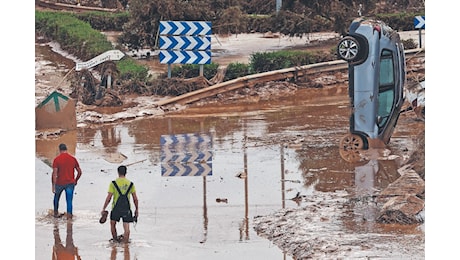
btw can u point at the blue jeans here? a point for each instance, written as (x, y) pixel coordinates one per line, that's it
(68, 196)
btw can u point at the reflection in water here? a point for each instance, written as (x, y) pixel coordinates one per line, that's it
(47, 148)
(67, 252)
(283, 188)
(324, 170)
(370, 178)
(365, 176)
(124, 250)
(365, 210)
(244, 225)
(110, 138)
(350, 155)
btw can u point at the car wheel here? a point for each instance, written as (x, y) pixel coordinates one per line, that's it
(351, 142)
(348, 49)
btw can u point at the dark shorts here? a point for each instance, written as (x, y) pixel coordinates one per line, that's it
(117, 215)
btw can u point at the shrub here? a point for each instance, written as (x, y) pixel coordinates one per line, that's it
(104, 21)
(268, 61)
(193, 70)
(129, 69)
(236, 70)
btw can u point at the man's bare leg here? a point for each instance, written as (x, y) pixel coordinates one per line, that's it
(113, 229)
(126, 234)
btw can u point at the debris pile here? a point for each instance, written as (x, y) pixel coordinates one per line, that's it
(311, 232)
(108, 91)
(404, 199)
(315, 232)
(404, 202)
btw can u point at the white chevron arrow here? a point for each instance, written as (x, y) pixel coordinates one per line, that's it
(167, 56)
(180, 28)
(167, 28)
(421, 22)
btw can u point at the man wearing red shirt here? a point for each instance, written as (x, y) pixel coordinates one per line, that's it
(63, 179)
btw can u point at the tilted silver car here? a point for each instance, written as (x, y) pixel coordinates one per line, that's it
(376, 76)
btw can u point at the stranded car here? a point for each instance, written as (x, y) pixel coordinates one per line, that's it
(376, 76)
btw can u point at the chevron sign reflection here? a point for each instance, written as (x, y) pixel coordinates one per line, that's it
(186, 155)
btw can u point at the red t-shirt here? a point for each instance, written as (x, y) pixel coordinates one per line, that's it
(66, 165)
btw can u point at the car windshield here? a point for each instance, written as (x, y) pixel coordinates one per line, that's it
(386, 88)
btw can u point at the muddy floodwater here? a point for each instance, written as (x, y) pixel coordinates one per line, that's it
(262, 156)
(265, 156)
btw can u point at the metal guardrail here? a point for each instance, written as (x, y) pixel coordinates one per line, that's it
(253, 79)
(60, 6)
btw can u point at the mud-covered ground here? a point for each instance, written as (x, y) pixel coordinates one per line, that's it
(235, 48)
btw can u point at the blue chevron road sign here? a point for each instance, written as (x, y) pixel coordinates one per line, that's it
(185, 28)
(188, 57)
(419, 22)
(186, 155)
(185, 42)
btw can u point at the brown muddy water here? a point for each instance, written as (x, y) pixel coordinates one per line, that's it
(263, 155)
(284, 150)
